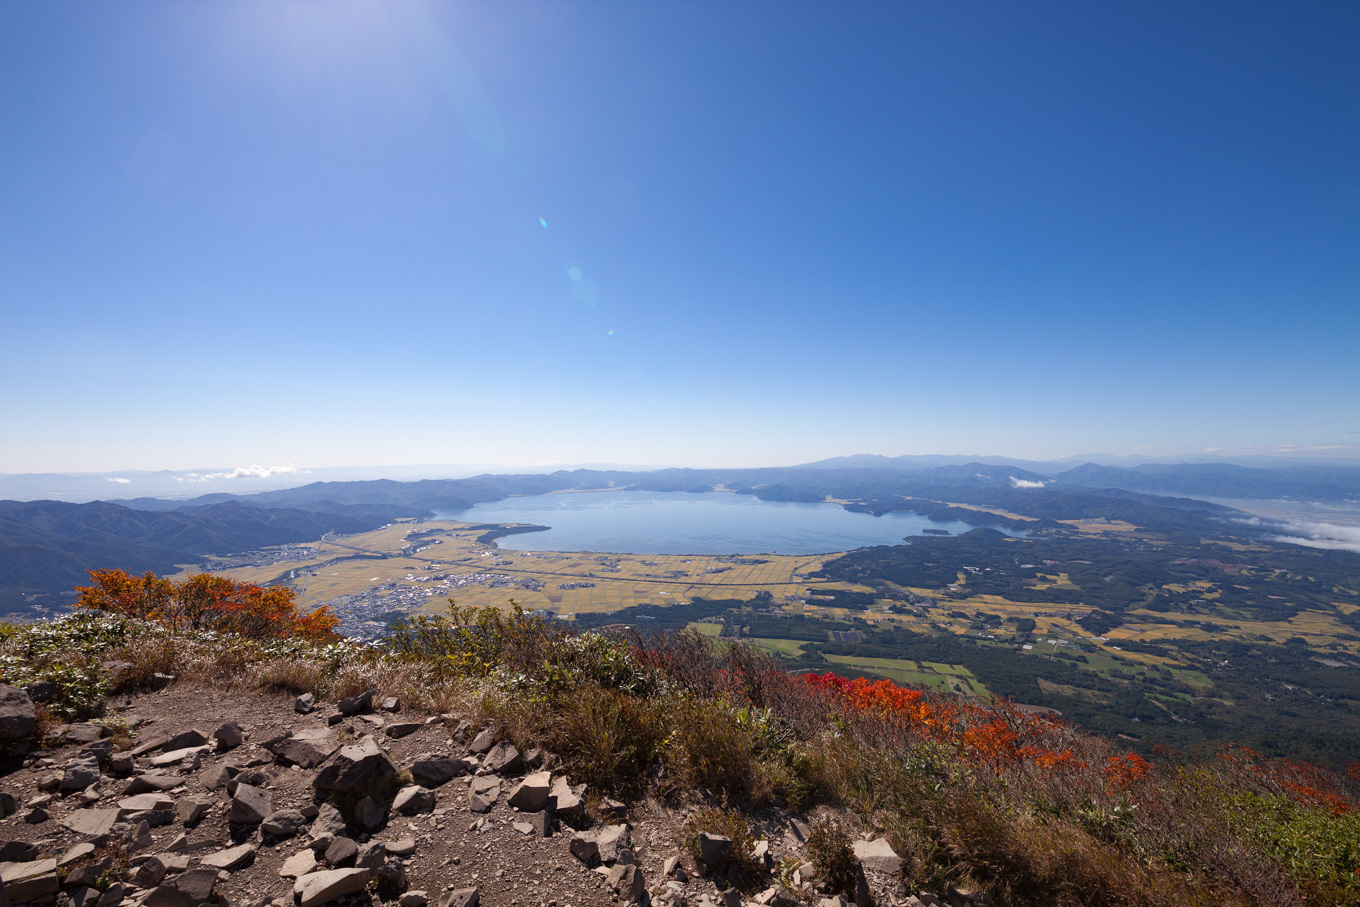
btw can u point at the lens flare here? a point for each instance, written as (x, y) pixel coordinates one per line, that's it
(543, 222)
(574, 273)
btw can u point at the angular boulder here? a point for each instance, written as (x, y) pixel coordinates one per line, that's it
(531, 794)
(435, 772)
(322, 887)
(16, 713)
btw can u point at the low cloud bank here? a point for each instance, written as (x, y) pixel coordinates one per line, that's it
(118, 481)
(1312, 533)
(1025, 483)
(242, 472)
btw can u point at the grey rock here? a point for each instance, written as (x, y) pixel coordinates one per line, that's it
(778, 896)
(391, 704)
(81, 896)
(92, 823)
(370, 814)
(307, 748)
(151, 781)
(197, 884)
(89, 873)
(371, 855)
(187, 740)
(255, 778)
(483, 742)
(413, 799)
(354, 768)
(603, 844)
(357, 704)
(503, 759)
(342, 852)
(328, 821)
(435, 772)
(16, 713)
(77, 852)
(568, 802)
(284, 824)
(402, 847)
(231, 858)
(531, 794)
(714, 851)
(29, 881)
(298, 865)
(122, 763)
(414, 899)
(321, 887)
(229, 736)
(461, 732)
(250, 805)
(461, 897)
(85, 732)
(112, 895)
(140, 802)
(304, 703)
(878, 855)
(150, 873)
(8, 805)
(483, 793)
(192, 809)
(627, 881)
(138, 837)
(402, 729)
(171, 757)
(80, 774)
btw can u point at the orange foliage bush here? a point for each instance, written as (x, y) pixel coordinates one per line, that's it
(207, 602)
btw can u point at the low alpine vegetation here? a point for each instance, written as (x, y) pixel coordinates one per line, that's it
(1014, 804)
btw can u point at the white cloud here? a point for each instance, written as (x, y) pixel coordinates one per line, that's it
(1025, 483)
(118, 481)
(242, 472)
(1313, 533)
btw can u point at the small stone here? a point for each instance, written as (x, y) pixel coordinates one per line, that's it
(878, 855)
(175, 756)
(371, 855)
(531, 794)
(151, 782)
(503, 759)
(17, 716)
(342, 852)
(93, 823)
(357, 704)
(122, 763)
(413, 799)
(140, 802)
(714, 851)
(462, 897)
(483, 793)
(191, 739)
(77, 852)
(250, 805)
(320, 887)
(284, 824)
(191, 809)
(150, 873)
(229, 736)
(402, 847)
(304, 703)
(391, 704)
(403, 729)
(435, 772)
(414, 899)
(370, 814)
(231, 858)
(483, 742)
(299, 864)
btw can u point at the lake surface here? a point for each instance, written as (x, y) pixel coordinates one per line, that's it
(651, 522)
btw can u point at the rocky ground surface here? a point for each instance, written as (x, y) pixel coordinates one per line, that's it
(189, 795)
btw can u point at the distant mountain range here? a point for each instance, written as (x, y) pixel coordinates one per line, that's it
(46, 546)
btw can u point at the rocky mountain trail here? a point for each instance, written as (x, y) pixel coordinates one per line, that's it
(193, 794)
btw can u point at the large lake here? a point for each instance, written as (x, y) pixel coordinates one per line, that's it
(650, 522)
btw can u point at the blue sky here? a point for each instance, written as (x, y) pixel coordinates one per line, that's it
(691, 233)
